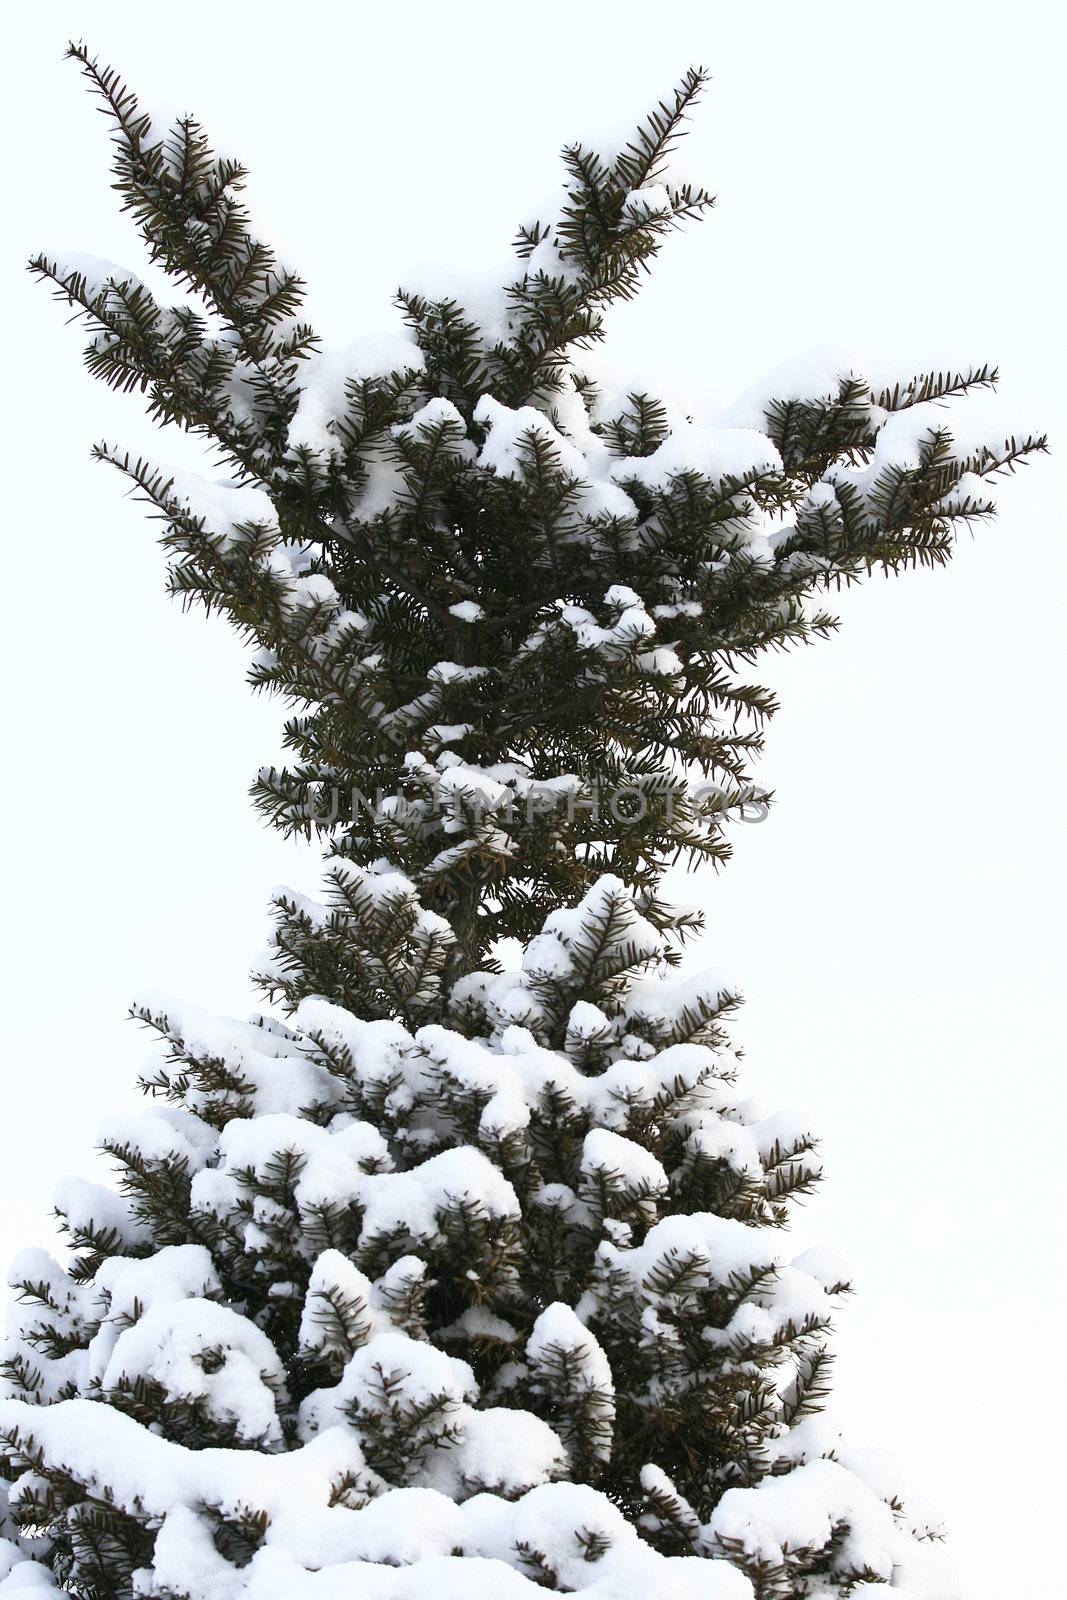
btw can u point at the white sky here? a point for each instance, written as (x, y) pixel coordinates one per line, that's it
(888, 176)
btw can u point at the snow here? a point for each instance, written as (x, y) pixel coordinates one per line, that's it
(816, 374)
(606, 913)
(826, 1265)
(223, 507)
(398, 1538)
(813, 374)
(315, 589)
(128, 1288)
(719, 1252)
(557, 1520)
(157, 1138)
(97, 272)
(621, 1164)
(445, 1577)
(111, 1453)
(273, 1065)
(343, 1166)
(662, 1003)
(500, 1451)
(500, 1463)
(334, 1275)
(177, 1346)
(789, 1298)
(27, 1579)
(779, 1131)
(416, 1199)
(383, 483)
(570, 1367)
(632, 625)
(497, 1078)
(545, 958)
(90, 1208)
(558, 1329)
(903, 435)
(34, 1265)
(507, 434)
(420, 1376)
(653, 197)
(715, 1138)
(185, 1561)
(432, 415)
(714, 453)
(323, 385)
(453, 672)
(377, 1047)
(727, 1249)
(480, 290)
(802, 1511)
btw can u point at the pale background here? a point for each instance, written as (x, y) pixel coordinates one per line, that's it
(887, 175)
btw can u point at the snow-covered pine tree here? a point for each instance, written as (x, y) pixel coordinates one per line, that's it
(470, 1278)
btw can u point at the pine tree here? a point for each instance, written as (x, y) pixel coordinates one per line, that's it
(453, 1276)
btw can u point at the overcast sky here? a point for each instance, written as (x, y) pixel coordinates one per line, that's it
(889, 177)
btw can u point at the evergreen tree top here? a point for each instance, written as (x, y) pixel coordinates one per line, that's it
(512, 614)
